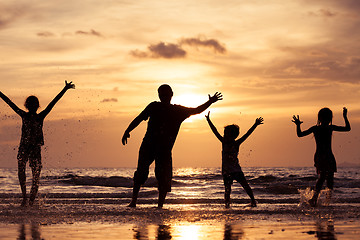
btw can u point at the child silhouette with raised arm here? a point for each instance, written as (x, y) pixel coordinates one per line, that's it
(324, 158)
(32, 139)
(231, 169)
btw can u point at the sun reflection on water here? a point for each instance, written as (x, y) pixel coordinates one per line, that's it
(186, 232)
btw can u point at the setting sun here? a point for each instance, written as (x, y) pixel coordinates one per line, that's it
(189, 100)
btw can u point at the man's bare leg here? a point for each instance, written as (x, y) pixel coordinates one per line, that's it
(136, 190)
(162, 196)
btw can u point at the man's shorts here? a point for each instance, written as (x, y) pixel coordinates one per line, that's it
(31, 153)
(162, 156)
(230, 177)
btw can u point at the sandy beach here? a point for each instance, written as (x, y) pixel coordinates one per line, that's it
(179, 221)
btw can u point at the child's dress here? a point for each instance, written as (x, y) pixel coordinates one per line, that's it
(324, 159)
(230, 161)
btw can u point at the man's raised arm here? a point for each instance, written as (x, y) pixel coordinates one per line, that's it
(212, 99)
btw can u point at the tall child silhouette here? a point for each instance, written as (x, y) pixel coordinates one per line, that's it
(32, 139)
(324, 158)
(164, 123)
(231, 169)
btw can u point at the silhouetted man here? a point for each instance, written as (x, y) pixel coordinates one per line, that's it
(163, 126)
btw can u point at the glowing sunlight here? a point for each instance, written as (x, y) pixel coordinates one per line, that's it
(186, 232)
(189, 100)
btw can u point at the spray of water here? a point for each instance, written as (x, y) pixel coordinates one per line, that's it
(324, 198)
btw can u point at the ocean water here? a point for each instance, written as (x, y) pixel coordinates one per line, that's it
(190, 185)
(92, 204)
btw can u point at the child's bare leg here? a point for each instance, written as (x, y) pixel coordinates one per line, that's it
(330, 185)
(313, 200)
(249, 191)
(318, 186)
(22, 180)
(330, 180)
(36, 170)
(242, 180)
(227, 195)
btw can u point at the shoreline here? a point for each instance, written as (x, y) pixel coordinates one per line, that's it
(114, 199)
(180, 221)
(149, 213)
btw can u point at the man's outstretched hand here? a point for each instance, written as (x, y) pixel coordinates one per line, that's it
(125, 137)
(217, 96)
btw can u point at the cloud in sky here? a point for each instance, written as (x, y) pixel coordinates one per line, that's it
(347, 5)
(92, 32)
(161, 50)
(69, 34)
(176, 50)
(211, 43)
(45, 34)
(11, 13)
(105, 100)
(323, 13)
(323, 62)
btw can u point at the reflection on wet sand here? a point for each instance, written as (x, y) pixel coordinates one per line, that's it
(34, 232)
(163, 232)
(233, 232)
(188, 231)
(320, 229)
(325, 230)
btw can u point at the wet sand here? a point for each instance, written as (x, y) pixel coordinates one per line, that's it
(183, 230)
(179, 221)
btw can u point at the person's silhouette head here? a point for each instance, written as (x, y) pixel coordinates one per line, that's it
(32, 103)
(325, 116)
(165, 93)
(231, 132)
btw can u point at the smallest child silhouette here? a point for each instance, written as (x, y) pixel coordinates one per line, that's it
(231, 169)
(32, 139)
(324, 158)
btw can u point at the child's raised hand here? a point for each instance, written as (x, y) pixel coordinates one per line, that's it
(296, 120)
(259, 121)
(345, 112)
(207, 116)
(217, 96)
(69, 85)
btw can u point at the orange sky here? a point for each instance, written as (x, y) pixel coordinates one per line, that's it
(269, 58)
